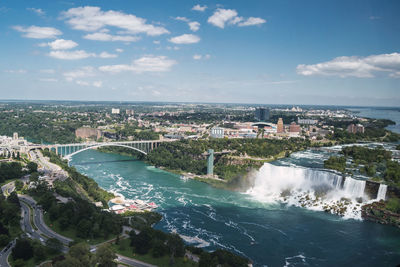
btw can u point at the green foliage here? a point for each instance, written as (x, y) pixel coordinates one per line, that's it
(88, 184)
(80, 216)
(367, 155)
(335, 163)
(393, 205)
(22, 250)
(10, 170)
(392, 173)
(54, 245)
(32, 167)
(105, 256)
(188, 155)
(141, 220)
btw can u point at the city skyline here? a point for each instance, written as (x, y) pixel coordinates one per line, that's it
(275, 52)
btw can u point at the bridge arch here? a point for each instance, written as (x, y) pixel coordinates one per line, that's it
(101, 145)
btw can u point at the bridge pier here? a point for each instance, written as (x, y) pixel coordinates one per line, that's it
(210, 162)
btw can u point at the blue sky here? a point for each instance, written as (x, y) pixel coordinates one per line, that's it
(267, 52)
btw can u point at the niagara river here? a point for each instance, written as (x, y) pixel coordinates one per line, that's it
(255, 223)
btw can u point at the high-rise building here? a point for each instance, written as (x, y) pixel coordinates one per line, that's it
(279, 126)
(294, 128)
(261, 114)
(355, 128)
(115, 111)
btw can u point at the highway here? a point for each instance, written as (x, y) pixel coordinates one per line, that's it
(133, 262)
(39, 222)
(5, 253)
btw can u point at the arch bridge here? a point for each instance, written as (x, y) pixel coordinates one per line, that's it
(68, 150)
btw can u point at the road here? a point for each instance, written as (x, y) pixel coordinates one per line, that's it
(5, 253)
(39, 222)
(133, 262)
(8, 188)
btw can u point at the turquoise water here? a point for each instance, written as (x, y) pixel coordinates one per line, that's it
(269, 234)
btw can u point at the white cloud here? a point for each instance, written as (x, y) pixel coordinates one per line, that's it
(230, 16)
(182, 19)
(98, 84)
(222, 16)
(101, 36)
(199, 8)
(173, 48)
(48, 80)
(78, 54)
(119, 50)
(49, 71)
(20, 71)
(71, 55)
(107, 55)
(61, 44)
(194, 26)
(252, 21)
(185, 39)
(197, 57)
(90, 18)
(38, 11)
(37, 32)
(361, 67)
(143, 64)
(83, 72)
(156, 42)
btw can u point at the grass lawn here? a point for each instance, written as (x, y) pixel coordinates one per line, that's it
(124, 249)
(71, 233)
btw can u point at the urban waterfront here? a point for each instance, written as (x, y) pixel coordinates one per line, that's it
(271, 234)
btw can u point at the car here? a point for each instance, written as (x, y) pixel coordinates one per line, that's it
(41, 239)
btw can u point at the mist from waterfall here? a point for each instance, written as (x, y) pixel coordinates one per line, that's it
(309, 188)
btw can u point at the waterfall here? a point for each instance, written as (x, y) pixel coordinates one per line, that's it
(382, 192)
(354, 188)
(309, 188)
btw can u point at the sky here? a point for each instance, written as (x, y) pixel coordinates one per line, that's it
(233, 51)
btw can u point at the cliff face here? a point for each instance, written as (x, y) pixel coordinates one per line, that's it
(371, 189)
(377, 212)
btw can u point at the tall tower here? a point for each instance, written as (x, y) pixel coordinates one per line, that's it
(279, 127)
(15, 136)
(210, 162)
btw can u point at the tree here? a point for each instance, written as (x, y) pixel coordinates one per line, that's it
(142, 241)
(206, 260)
(176, 246)
(39, 252)
(32, 167)
(81, 252)
(13, 198)
(22, 250)
(4, 239)
(54, 245)
(105, 256)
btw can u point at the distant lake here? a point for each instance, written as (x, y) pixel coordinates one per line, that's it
(381, 113)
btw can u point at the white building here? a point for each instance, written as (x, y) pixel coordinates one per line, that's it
(217, 132)
(115, 111)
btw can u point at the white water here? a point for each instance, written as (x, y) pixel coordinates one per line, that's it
(382, 192)
(312, 189)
